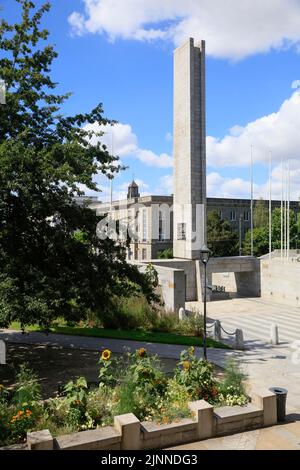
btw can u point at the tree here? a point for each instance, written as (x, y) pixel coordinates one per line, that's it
(221, 240)
(52, 264)
(165, 254)
(261, 235)
(260, 214)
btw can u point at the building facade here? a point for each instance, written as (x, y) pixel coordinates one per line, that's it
(150, 219)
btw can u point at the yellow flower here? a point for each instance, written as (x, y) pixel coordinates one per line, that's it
(141, 352)
(105, 354)
(1, 387)
(186, 365)
(28, 412)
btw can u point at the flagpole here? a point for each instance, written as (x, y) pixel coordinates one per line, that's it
(111, 180)
(285, 212)
(288, 210)
(281, 212)
(251, 207)
(270, 205)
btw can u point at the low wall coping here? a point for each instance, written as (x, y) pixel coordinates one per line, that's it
(232, 413)
(151, 429)
(92, 438)
(40, 440)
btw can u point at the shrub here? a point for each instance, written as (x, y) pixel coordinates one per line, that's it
(196, 375)
(27, 387)
(128, 314)
(193, 325)
(165, 254)
(231, 388)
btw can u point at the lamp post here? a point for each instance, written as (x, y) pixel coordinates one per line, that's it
(204, 257)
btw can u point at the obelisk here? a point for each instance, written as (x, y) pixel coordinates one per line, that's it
(189, 150)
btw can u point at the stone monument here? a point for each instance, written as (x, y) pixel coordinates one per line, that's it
(189, 150)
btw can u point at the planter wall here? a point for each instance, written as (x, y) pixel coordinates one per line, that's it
(128, 433)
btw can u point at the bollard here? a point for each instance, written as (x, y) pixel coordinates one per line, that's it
(274, 334)
(239, 339)
(182, 314)
(217, 330)
(2, 352)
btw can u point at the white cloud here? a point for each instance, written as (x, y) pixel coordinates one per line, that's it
(165, 185)
(277, 132)
(123, 142)
(295, 84)
(233, 28)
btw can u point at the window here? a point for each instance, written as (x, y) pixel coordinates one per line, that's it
(246, 216)
(144, 225)
(232, 216)
(144, 253)
(181, 231)
(161, 234)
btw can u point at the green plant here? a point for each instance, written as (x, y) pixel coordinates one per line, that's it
(165, 254)
(231, 388)
(196, 375)
(193, 325)
(97, 406)
(109, 369)
(27, 388)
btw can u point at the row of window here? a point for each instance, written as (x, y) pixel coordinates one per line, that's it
(233, 216)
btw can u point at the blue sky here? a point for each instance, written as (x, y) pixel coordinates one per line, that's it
(120, 53)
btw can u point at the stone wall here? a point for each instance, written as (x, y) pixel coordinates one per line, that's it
(280, 280)
(189, 268)
(128, 433)
(171, 284)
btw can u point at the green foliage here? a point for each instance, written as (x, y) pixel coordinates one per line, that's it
(52, 263)
(22, 411)
(232, 389)
(196, 375)
(260, 214)
(260, 241)
(261, 235)
(192, 325)
(76, 391)
(133, 383)
(221, 240)
(27, 388)
(165, 254)
(129, 313)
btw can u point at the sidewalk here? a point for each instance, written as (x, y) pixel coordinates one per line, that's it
(266, 366)
(284, 436)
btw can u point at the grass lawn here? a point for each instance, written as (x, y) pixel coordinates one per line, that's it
(135, 335)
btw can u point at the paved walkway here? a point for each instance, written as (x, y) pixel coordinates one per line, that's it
(265, 365)
(281, 437)
(169, 351)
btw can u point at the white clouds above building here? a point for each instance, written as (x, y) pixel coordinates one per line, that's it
(233, 29)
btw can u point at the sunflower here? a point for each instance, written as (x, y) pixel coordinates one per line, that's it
(186, 365)
(105, 354)
(141, 352)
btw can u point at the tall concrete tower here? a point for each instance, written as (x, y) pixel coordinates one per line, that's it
(189, 150)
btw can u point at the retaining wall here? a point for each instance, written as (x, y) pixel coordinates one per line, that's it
(128, 433)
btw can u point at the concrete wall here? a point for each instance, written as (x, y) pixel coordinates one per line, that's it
(171, 284)
(188, 266)
(240, 274)
(280, 281)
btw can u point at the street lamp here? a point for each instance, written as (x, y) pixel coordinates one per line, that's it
(204, 257)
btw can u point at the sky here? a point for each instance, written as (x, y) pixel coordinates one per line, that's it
(121, 54)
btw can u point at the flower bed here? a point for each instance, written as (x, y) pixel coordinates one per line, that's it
(134, 384)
